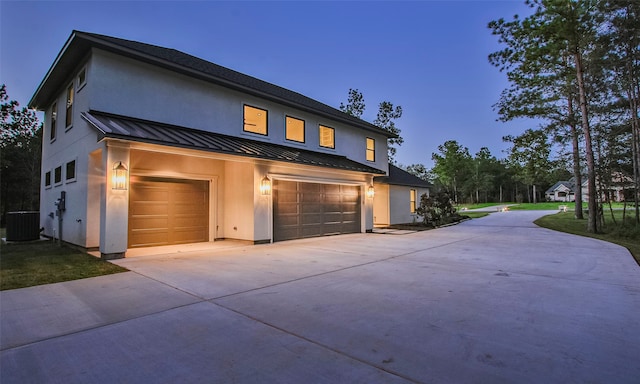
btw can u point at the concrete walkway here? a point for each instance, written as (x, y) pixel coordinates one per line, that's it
(492, 300)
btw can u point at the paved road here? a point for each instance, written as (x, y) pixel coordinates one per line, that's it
(493, 300)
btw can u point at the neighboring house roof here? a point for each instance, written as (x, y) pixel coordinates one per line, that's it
(398, 176)
(79, 45)
(566, 184)
(125, 128)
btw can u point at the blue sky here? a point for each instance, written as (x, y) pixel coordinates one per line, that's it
(430, 57)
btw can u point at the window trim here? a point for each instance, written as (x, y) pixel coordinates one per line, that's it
(370, 150)
(80, 84)
(47, 175)
(320, 126)
(75, 171)
(56, 183)
(266, 117)
(286, 131)
(69, 106)
(413, 197)
(53, 122)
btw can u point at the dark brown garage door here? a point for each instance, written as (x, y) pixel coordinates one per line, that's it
(168, 211)
(308, 209)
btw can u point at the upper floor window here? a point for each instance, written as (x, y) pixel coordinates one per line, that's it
(412, 200)
(54, 118)
(69, 115)
(70, 174)
(294, 129)
(82, 78)
(255, 120)
(47, 179)
(57, 175)
(371, 149)
(327, 137)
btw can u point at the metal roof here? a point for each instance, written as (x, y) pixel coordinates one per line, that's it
(126, 128)
(398, 176)
(79, 45)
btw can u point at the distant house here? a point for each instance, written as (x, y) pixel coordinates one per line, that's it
(561, 191)
(147, 146)
(397, 196)
(565, 190)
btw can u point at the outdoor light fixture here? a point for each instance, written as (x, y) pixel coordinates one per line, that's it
(265, 186)
(119, 176)
(370, 192)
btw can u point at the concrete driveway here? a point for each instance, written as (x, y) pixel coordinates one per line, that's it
(492, 300)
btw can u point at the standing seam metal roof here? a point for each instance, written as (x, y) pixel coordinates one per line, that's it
(121, 127)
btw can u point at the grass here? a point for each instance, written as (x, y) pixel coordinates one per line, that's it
(474, 215)
(628, 235)
(43, 262)
(542, 206)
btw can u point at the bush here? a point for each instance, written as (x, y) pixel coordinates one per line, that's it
(437, 210)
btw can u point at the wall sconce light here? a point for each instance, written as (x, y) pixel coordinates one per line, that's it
(119, 176)
(370, 192)
(265, 186)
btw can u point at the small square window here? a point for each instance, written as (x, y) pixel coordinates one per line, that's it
(69, 114)
(47, 179)
(82, 78)
(255, 120)
(70, 174)
(412, 200)
(294, 129)
(327, 137)
(57, 175)
(54, 119)
(371, 149)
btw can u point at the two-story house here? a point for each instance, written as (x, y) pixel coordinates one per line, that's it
(151, 146)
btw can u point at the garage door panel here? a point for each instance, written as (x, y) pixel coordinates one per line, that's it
(150, 238)
(150, 194)
(168, 211)
(146, 208)
(312, 209)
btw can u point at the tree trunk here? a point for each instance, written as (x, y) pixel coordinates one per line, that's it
(577, 174)
(592, 225)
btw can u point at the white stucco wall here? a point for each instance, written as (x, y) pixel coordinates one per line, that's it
(71, 143)
(381, 204)
(399, 204)
(131, 88)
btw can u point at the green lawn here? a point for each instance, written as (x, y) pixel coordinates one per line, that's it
(474, 215)
(35, 263)
(543, 206)
(628, 235)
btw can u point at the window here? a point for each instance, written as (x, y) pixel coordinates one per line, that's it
(371, 149)
(57, 175)
(294, 129)
(327, 137)
(54, 118)
(70, 174)
(412, 200)
(47, 179)
(82, 78)
(255, 120)
(69, 116)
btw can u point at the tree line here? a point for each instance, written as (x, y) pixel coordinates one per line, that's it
(573, 66)
(20, 157)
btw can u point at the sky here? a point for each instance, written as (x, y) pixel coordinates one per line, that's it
(430, 57)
